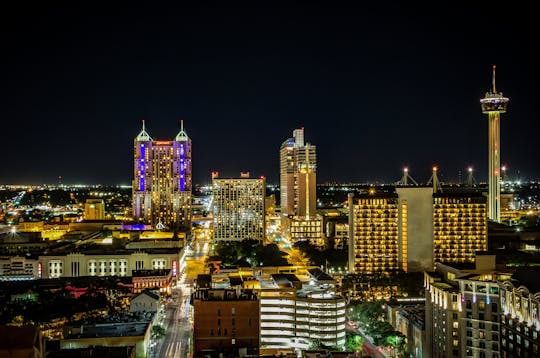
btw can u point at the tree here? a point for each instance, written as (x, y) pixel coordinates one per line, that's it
(158, 332)
(395, 340)
(17, 321)
(354, 342)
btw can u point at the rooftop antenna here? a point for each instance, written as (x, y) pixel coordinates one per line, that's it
(470, 177)
(503, 173)
(435, 180)
(406, 177)
(493, 79)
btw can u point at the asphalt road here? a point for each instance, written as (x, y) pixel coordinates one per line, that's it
(177, 321)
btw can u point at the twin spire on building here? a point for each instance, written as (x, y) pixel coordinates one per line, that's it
(143, 135)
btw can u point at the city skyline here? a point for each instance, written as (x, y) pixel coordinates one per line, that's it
(376, 88)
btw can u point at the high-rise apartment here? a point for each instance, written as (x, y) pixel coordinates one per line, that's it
(162, 181)
(238, 207)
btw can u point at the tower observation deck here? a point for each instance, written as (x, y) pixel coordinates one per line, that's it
(493, 104)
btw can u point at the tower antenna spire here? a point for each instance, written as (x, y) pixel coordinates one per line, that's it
(494, 104)
(493, 79)
(143, 128)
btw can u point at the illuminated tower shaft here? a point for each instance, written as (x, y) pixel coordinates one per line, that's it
(493, 104)
(494, 201)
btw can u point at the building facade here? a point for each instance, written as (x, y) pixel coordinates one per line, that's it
(298, 167)
(298, 183)
(94, 209)
(162, 181)
(120, 263)
(463, 311)
(459, 227)
(225, 321)
(238, 208)
(413, 228)
(520, 314)
(291, 314)
(374, 234)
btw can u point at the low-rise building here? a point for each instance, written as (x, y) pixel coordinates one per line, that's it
(146, 301)
(226, 321)
(21, 342)
(300, 310)
(106, 261)
(136, 332)
(411, 323)
(160, 280)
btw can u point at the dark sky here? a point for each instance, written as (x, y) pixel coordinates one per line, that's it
(376, 87)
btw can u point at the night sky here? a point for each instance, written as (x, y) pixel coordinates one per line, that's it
(376, 88)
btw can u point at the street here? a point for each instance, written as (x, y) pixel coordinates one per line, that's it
(177, 340)
(177, 321)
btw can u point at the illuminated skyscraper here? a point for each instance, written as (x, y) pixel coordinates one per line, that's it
(413, 228)
(298, 167)
(238, 208)
(493, 104)
(162, 181)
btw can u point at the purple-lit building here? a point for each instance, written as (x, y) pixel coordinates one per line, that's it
(162, 181)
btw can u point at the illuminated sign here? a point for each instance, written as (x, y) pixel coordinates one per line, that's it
(163, 142)
(182, 168)
(141, 168)
(174, 268)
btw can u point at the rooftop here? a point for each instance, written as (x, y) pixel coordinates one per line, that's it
(14, 338)
(98, 352)
(225, 295)
(150, 273)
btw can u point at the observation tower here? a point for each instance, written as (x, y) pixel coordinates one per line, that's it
(493, 104)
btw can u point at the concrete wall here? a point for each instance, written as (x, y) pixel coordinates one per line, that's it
(419, 226)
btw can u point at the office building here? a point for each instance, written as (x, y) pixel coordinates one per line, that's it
(308, 229)
(94, 209)
(225, 321)
(298, 167)
(105, 263)
(238, 208)
(162, 181)
(298, 180)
